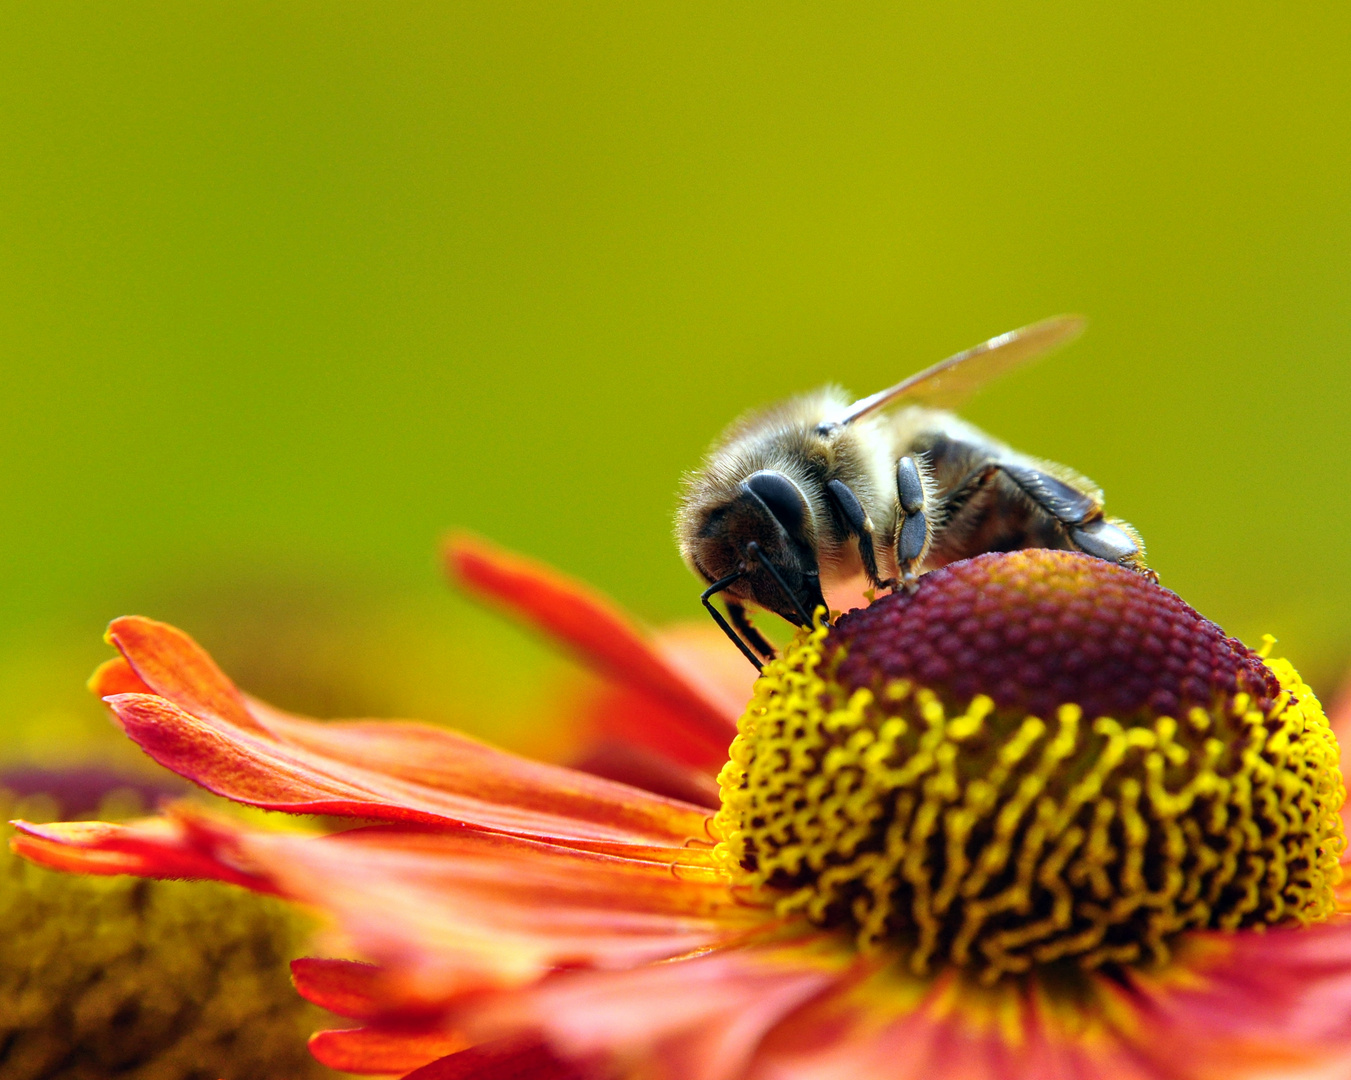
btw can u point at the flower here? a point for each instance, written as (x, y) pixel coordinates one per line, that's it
(1039, 819)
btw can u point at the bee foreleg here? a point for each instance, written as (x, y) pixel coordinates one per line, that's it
(742, 621)
(856, 520)
(738, 615)
(913, 532)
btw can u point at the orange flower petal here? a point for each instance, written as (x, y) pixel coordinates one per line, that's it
(398, 772)
(55, 855)
(600, 634)
(381, 1051)
(176, 667)
(116, 676)
(623, 713)
(449, 761)
(201, 726)
(355, 990)
(1229, 1005)
(152, 847)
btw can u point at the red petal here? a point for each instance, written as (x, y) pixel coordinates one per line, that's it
(399, 772)
(176, 667)
(375, 1050)
(623, 713)
(343, 987)
(56, 856)
(515, 1059)
(603, 637)
(447, 761)
(152, 847)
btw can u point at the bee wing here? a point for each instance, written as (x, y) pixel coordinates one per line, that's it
(950, 382)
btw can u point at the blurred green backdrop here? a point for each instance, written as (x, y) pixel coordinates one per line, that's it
(287, 289)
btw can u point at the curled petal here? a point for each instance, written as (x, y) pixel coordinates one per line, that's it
(193, 720)
(398, 772)
(116, 676)
(392, 1043)
(621, 713)
(451, 762)
(176, 667)
(1339, 716)
(704, 658)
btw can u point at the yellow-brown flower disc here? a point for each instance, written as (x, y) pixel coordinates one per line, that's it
(1037, 758)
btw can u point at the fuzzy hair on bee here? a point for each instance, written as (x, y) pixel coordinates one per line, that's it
(804, 495)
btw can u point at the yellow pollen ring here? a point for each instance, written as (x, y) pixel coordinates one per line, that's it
(1000, 842)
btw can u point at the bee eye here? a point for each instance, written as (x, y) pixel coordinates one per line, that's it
(782, 497)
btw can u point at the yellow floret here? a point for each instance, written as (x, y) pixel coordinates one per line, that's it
(1001, 842)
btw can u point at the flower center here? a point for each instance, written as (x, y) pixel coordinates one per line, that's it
(1037, 757)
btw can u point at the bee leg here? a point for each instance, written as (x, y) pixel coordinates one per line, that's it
(1081, 516)
(858, 523)
(705, 599)
(913, 535)
(742, 621)
(1112, 539)
(1074, 509)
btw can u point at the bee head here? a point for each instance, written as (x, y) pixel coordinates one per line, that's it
(766, 534)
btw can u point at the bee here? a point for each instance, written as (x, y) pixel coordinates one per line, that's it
(816, 490)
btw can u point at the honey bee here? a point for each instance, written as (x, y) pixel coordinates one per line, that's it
(811, 492)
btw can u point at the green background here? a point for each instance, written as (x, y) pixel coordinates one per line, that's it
(287, 289)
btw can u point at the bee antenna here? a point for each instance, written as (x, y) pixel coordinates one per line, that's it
(735, 638)
(753, 550)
